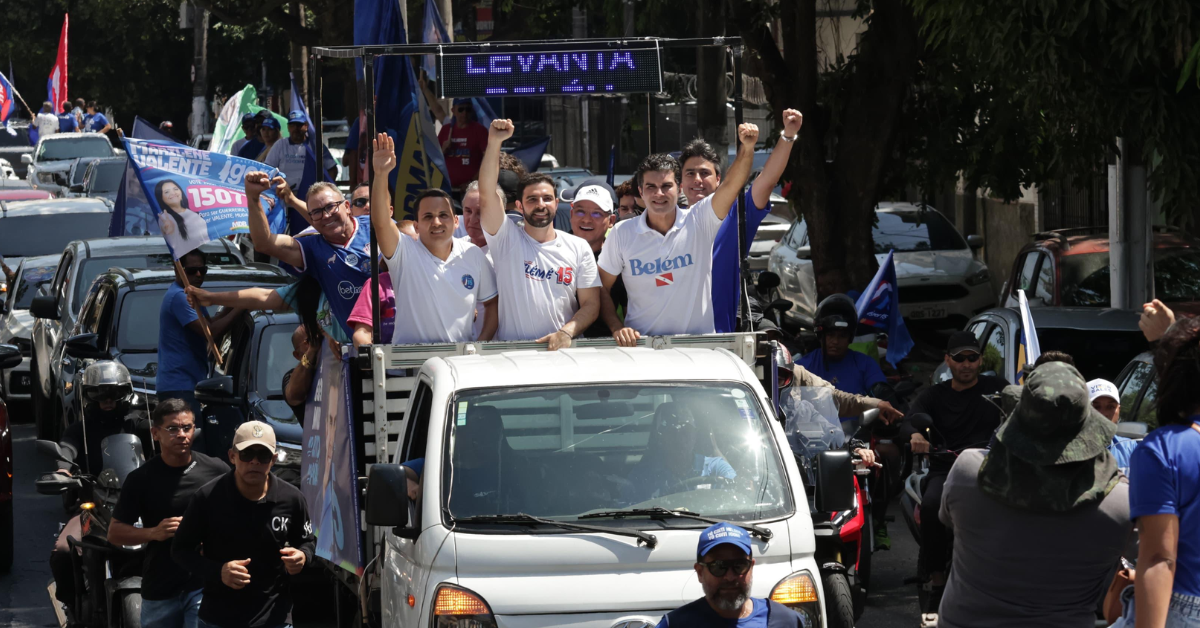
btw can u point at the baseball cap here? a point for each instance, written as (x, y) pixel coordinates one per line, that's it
(1098, 388)
(295, 115)
(721, 534)
(962, 341)
(254, 433)
(597, 195)
(462, 101)
(248, 117)
(270, 123)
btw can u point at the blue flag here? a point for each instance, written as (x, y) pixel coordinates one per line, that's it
(196, 195)
(8, 99)
(313, 168)
(531, 154)
(433, 31)
(879, 308)
(612, 166)
(143, 130)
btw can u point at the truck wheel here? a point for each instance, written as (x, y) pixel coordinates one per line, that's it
(131, 610)
(6, 536)
(839, 603)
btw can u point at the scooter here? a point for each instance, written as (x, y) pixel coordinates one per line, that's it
(108, 579)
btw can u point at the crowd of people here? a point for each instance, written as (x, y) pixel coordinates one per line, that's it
(82, 117)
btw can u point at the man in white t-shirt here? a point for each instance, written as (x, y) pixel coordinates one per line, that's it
(664, 256)
(473, 233)
(46, 121)
(289, 155)
(549, 290)
(437, 278)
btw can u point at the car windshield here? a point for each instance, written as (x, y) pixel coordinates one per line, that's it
(30, 279)
(905, 231)
(93, 267)
(49, 233)
(74, 148)
(1085, 277)
(274, 359)
(137, 327)
(565, 452)
(106, 177)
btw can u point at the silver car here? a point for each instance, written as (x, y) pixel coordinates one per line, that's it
(16, 321)
(937, 274)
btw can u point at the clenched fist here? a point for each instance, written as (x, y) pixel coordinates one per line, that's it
(500, 130)
(792, 121)
(257, 183)
(748, 135)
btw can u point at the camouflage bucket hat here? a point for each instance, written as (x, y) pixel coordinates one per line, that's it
(1054, 423)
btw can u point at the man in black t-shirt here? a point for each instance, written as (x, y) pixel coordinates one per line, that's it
(245, 533)
(156, 494)
(962, 419)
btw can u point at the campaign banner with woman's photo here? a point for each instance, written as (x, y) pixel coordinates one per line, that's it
(197, 195)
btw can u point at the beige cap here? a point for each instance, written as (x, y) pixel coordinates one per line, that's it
(254, 433)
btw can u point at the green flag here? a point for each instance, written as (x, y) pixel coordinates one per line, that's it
(229, 124)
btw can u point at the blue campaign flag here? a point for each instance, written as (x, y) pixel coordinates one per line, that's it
(433, 31)
(195, 195)
(143, 130)
(531, 154)
(612, 166)
(879, 308)
(8, 99)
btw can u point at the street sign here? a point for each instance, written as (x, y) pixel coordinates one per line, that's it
(615, 70)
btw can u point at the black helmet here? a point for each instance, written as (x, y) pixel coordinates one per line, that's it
(836, 312)
(106, 380)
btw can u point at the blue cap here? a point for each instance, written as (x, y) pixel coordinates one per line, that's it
(270, 123)
(462, 101)
(249, 117)
(720, 534)
(295, 115)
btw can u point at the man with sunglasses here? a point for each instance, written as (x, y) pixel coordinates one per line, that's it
(245, 534)
(725, 568)
(360, 202)
(157, 494)
(962, 418)
(463, 143)
(182, 348)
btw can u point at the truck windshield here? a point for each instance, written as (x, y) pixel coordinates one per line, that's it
(561, 453)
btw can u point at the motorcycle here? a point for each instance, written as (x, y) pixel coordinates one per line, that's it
(108, 578)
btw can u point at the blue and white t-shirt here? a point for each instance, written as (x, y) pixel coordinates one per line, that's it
(341, 270)
(95, 122)
(727, 268)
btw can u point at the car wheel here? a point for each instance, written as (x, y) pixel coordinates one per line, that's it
(6, 536)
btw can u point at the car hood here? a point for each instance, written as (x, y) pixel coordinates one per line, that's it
(954, 264)
(18, 324)
(278, 414)
(58, 165)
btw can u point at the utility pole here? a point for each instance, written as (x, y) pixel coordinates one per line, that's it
(447, 11)
(299, 51)
(1130, 229)
(199, 121)
(579, 31)
(629, 18)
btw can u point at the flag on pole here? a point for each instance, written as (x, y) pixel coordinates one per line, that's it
(8, 99)
(56, 86)
(879, 307)
(612, 166)
(313, 167)
(1029, 348)
(228, 128)
(433, 31)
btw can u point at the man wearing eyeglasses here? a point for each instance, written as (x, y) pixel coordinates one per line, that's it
(360, 202)
(245, 534)
(592, 215)
(157, 494)
(962, 418)
(463, 143)
(182, 347)
(725, 568)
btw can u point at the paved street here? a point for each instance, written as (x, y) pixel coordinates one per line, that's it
(891, 603)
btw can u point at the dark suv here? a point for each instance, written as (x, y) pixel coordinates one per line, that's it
(119, 321)
(1069, 268)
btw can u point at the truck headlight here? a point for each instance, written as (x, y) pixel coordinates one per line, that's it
(979, 278)
(799, 593)
(456, 607)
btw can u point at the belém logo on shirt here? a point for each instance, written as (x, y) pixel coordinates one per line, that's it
(659, 266)
(468, 282)
(563, 274)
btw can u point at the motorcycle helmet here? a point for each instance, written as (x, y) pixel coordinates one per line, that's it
(836, 312)
(106, 380)
(784, 366)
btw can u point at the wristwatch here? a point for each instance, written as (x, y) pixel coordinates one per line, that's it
(786, 138)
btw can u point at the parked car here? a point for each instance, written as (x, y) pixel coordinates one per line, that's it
(14, 142)
(1069, 268)
(16, 321)
(1102, 341)
(119, 321)
(58, 305)
(335, 141)
(50, 163)
(45, 227)
(250, 386)
(938, 277)
(1138, 386)
(774, 226)
(9, 357)
(100, 178)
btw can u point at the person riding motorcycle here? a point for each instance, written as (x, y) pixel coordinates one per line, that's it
(107, 394)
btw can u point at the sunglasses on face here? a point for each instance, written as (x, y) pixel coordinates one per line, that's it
(598, 214)
(196, 270)
(719, 568)
(360, 202)
(328, 210)
(463, 109)
(176, 430)
(261, 454)
(104, 394)
(969, 357)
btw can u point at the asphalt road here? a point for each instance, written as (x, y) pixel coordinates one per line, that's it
(890, 602)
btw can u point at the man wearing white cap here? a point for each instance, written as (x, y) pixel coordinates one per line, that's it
(592, 217)
(1106, 399)
(246, 532)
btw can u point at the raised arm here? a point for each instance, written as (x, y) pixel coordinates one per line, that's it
(384, 160)
(280, 246)
(285, 194)
(735, 180)
(491, 213)
(769, 177)
(246, 298)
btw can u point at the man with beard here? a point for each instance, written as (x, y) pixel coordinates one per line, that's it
(724, 563)
(549, 289)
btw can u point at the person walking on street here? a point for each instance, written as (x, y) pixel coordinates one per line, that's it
(724, 566)
(155, 495)
(245, 534)
(1165, 480)
(1048, 494)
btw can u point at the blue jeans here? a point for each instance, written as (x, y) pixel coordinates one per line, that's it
(1184, 611)
(180, 611)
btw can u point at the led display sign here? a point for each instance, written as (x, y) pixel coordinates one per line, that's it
(612, 71)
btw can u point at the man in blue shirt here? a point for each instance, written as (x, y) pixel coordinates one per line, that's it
(337, 255)
(701, 175)
(672, 459)
(1106, 399)
(66, 120)
(95, 122)
(724, 566)
(182, 348)
(834, 362)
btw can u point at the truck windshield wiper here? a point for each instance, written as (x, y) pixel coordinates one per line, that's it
(521, 518)
(663, 513)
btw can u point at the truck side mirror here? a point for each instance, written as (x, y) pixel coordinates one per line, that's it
(84, 347)
(387, 497)
(1132, 429)
(216, 391)
(27, 159)
(10, 356)
(44, 307)
(835, 481)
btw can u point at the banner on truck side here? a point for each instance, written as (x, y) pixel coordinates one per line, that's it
(327, 468)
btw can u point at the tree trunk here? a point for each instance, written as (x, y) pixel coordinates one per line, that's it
(199, 118)
(711, 117)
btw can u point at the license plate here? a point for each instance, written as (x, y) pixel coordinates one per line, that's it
(928, 312)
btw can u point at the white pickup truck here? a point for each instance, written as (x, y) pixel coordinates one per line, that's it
(570, 487)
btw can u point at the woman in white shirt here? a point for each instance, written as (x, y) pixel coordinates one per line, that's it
(183, 228)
